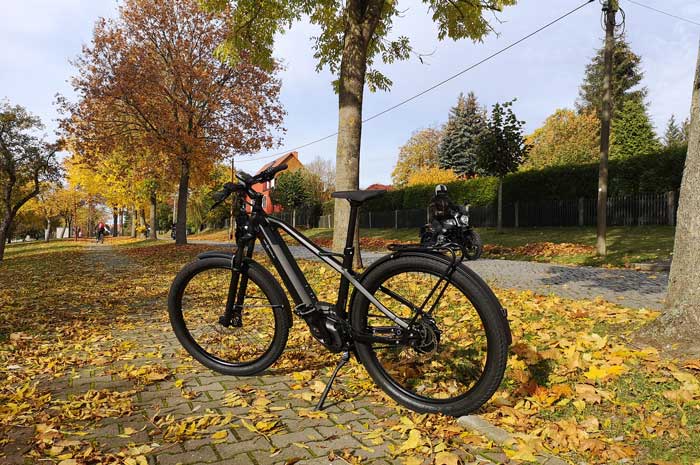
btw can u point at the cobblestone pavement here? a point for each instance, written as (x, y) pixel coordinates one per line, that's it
(195, 391)
(631, 288)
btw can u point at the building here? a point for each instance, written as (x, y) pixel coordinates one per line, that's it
(293, 164)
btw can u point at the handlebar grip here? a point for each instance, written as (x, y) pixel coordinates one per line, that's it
(276, 169)
(220, 196)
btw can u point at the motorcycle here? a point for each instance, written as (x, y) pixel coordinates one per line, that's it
(455, 230)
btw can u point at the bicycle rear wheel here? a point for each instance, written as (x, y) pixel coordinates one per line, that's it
(460, 358)
(198, 298)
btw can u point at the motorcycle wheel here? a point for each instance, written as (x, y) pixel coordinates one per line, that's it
(474, 247)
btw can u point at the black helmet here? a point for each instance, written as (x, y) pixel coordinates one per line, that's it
(440, 189)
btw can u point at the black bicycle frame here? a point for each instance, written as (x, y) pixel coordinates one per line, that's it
(257, 225)
(294, 279)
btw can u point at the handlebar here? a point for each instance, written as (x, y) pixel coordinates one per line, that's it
(246, 184)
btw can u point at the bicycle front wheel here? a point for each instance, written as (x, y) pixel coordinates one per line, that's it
(197, 300)
(458, 358)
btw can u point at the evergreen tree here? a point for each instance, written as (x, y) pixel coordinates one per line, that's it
(674, 135)
(502, 148)
(627, 75)
(465, 126)
(632, 132)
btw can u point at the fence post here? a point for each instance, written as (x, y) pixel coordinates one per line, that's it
(580, 211)
(396, 219)
(517, 214)
(671, 207)
(370, 219)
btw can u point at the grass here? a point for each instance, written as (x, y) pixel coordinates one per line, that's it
(626, 245)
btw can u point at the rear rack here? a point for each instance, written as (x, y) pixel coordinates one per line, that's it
(455, 251)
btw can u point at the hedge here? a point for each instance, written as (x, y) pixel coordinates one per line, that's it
(659, 172)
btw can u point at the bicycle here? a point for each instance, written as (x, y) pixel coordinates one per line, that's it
(427, 329)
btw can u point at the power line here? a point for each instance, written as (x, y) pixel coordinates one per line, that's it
(665, 13)
(435, 86)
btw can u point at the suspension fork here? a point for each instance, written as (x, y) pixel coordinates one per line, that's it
(237, 286)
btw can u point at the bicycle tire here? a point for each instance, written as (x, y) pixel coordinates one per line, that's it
(258, 276)
(489, 311)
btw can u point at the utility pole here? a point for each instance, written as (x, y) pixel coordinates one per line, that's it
(609, 10)
(232, 218)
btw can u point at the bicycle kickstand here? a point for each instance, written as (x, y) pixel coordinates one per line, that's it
(343, 360)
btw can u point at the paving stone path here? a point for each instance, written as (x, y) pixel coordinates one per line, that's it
(310, 440)
(631, 288)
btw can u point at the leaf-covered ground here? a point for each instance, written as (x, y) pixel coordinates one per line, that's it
(86, 347)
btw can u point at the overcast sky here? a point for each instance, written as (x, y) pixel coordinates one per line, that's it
(39, 37)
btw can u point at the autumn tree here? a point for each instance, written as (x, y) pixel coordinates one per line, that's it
(627, 76)
(155, 74)
(25, 162)
(321, 177)
(47, 204)
(632, 132)
(419, 153)
(502, 148)
(565, 138)
(465, 126)
(431, 175)
(353, 36)
(674, 135)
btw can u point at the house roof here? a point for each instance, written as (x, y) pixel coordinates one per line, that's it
(380, 187)
(279, 161)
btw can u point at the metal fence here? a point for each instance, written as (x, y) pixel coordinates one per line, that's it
(634, 210)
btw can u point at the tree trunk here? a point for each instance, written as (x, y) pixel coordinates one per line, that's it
(5, 227)
(115, 222)
(47, 233)
(361, 19)
(499, 217)
(606, 115)
(133, 222)
(154, 206)
(142, 221)
(121, 221)
(680, 323)
(181, 224)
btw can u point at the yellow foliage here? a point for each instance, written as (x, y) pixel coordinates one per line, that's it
(431, 175)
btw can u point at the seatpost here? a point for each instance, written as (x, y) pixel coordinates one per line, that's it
(349, 250)
(348, 254)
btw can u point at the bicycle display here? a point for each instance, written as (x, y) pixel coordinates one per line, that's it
(427, 329)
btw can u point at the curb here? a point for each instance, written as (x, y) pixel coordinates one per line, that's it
(502, 437)
(660, 266)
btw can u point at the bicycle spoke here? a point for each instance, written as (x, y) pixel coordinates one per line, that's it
(438, 370)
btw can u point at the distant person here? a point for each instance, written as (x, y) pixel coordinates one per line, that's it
(100, 230)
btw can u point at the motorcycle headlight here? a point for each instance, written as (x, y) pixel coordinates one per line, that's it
(464, 219)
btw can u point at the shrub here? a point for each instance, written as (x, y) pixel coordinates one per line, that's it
(655, 173)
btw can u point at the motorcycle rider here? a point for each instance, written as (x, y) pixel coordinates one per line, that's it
(441, 206)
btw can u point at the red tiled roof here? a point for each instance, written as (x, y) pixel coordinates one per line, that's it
(278, 161)
(380, 187)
